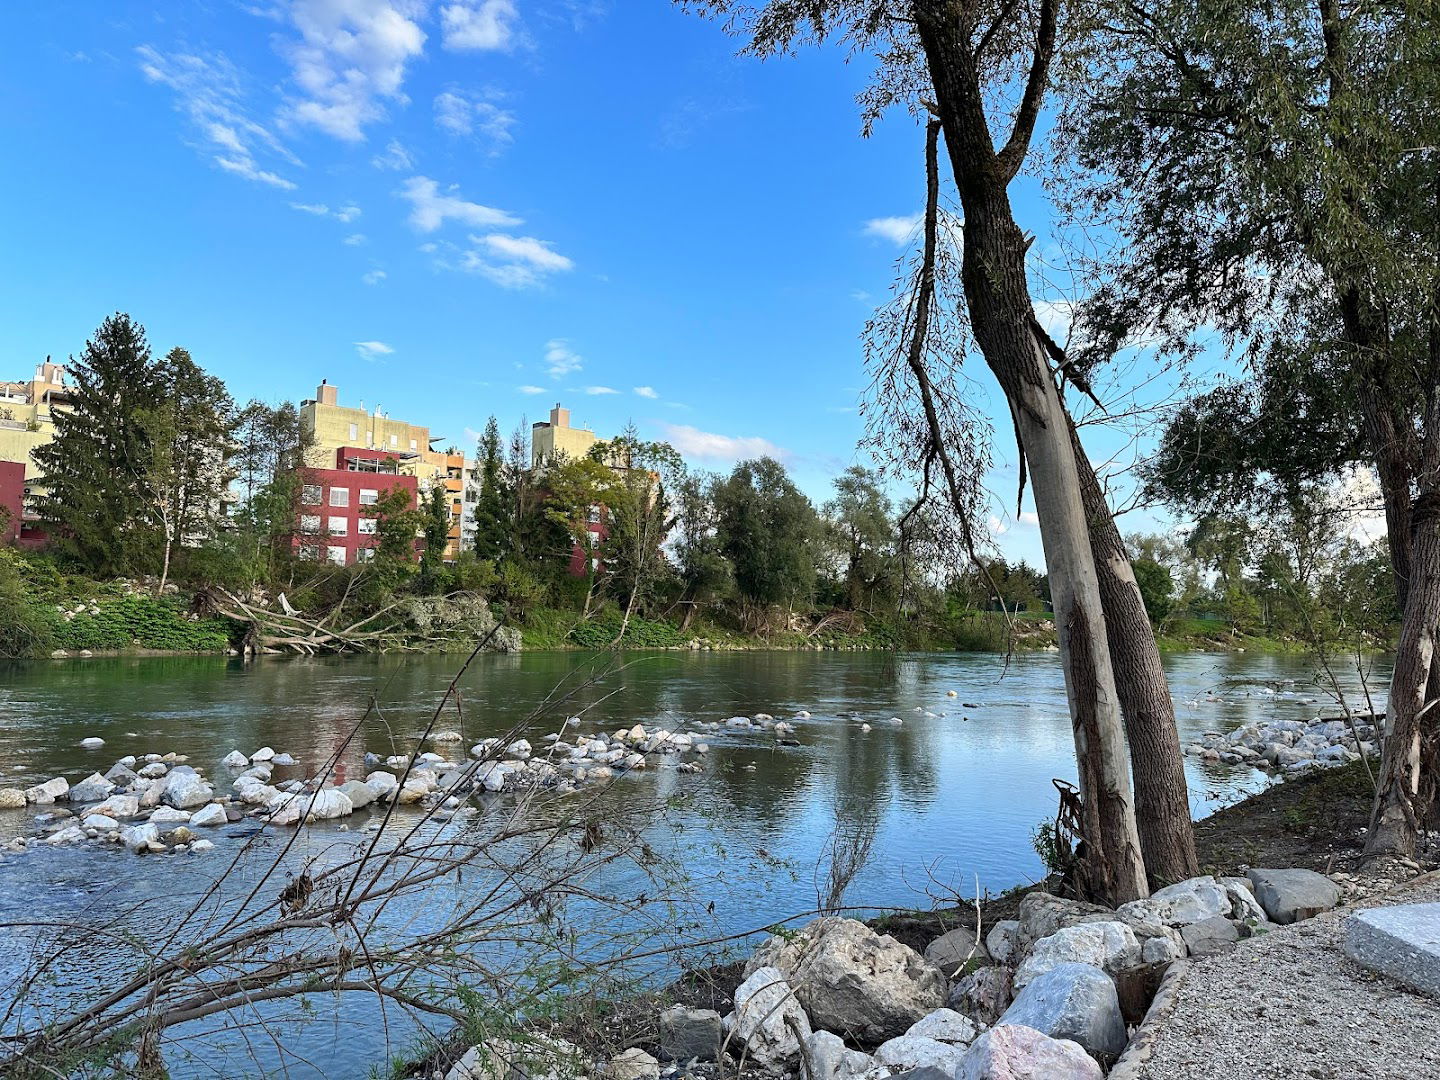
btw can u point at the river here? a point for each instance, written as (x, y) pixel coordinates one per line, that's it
(954, 791)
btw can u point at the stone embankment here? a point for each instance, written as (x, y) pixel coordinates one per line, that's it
(157, 802)
(1052, 995)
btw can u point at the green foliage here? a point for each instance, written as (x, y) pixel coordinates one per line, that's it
(25, 629)
(494, 500)
(142, 622)
(1054, 852)
(604, 632)
(767, 529)
(1157, 588)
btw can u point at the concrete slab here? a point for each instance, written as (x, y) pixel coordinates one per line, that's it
(1402, 942)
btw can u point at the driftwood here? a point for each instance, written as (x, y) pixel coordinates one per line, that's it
(269, 630)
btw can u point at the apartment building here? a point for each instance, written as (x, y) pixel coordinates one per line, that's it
(335, 503)
(556, 439)
(331, 427)
(27, 411)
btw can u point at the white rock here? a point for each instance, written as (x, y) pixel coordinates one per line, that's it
(138, 838)
(1110, 946)
(68, 835)
(1016, 1052)
(46, 793)
(235, 760)
(119, 806)
(102, 822)
(830, 1059)
(265, 753)
(168, 815)
(1002, 940)
(947, 1026)
(762, 1003)
(185, 789)
(213, 814)
(202, 846)
(92, 743)
(918, 1052)
(381, 783)
(1180, 904)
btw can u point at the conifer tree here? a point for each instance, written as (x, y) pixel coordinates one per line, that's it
(494, 524)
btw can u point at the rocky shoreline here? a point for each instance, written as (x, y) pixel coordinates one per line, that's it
(1294, 746)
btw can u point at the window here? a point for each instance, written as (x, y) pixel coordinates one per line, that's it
(364, 554)
(594, 515)
(354, 432)
(394, 440)
(336, 555)
(310, 523)
(369, 497)
(413, 444)
(366, 527)
(309, 551)
(338, 526)
(339, 496)
(310, 495)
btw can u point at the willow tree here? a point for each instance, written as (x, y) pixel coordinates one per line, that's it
(986, 67)
(1272, 172)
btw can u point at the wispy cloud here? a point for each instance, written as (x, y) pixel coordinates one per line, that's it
(430, 208)
(512, 262)
(212, 93)
(897, 230)
(354, 239)
(531, 389)
(465, 113)
(394, 158)
(561, 359)
(370, 350)
(709, 446)
(596, 391)
(347, 213)
(478, 25)
(350, 57)
(646, 392)
(374, 277)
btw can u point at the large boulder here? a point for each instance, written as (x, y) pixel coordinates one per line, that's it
(983, 994)
(1209, 936)
(1402, 942)
(185, 789)
(1292, 895)
(1180, 904)
(118, 806)
(829, 1058)
(687, 1034)
(1111, 946)
(957, 952)
(93, 788)
(46, 793)
(853, 981)
(1076, 1002)
(763, 1002)
(358, 792)
(211, 814)
(1041, 914)
(1003, 941)
(919, 1052)
(947, 1026)
(138, 838)
(1016, 1052)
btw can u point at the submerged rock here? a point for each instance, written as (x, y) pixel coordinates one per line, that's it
(235, 760)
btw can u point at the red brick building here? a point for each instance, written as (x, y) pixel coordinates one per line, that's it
(335, 503)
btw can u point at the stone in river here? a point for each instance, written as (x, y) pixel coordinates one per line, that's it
(235, 760)
(153, 770)
(46, 793)
(119, 806)
(168, 815)
(92, 789)
(201, 846)
(358, 792)
(102, 822)
(1292, 895)
(185, 789)
(283, 759)
(138, 838)
(265, 753)
(1402, 942)
(92, 743)
(12, 798)
(213, 814)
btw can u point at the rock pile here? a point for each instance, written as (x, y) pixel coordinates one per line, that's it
(1291, 746)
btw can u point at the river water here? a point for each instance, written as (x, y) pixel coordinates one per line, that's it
(953, 792)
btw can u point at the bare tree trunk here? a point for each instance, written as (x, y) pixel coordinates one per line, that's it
(1003, 321)
(1162, 799)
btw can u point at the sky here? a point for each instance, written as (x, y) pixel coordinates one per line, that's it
(459, 208)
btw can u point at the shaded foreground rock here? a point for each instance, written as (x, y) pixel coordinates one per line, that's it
(828, 1058)
(1076, 1002)
(689, 1033)
(1402, 942)
(853, 981)
(1015, 1052)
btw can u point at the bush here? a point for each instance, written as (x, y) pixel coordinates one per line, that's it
(26, 629)
(143, 622)
(601, 632)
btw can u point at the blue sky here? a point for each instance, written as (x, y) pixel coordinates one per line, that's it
(456, 208)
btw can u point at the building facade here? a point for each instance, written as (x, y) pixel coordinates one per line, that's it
(556, 440)
(27, 422)
(335, 503)
(330, 427)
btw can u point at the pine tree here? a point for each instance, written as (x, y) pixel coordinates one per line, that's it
(494, 522)
(95, 503)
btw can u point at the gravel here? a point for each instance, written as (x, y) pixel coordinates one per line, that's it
(1290, 1003)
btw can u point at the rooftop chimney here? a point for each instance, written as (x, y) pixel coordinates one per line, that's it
(326, 394)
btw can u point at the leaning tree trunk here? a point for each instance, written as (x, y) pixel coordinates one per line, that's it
(1002, 319)
(1162, 799)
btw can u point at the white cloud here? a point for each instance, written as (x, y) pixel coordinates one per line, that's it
(463, 113)
(430, 209)
(351, 55)
(531, 389)
(246, 167)
(318, 209)
(560, 359)
(898, 230)
(354, 239)
(395, 158)
(1055, 316)
(708, 446)
(371, 349)
(347, 213)
(211, 93)
(596, 391)
(526, 249)
(646, 392)
(512, 262)
(478, 24)
(374, 277)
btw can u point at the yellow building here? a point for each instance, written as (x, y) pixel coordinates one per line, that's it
(557, 439)
(27, 414)
(328, 426)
